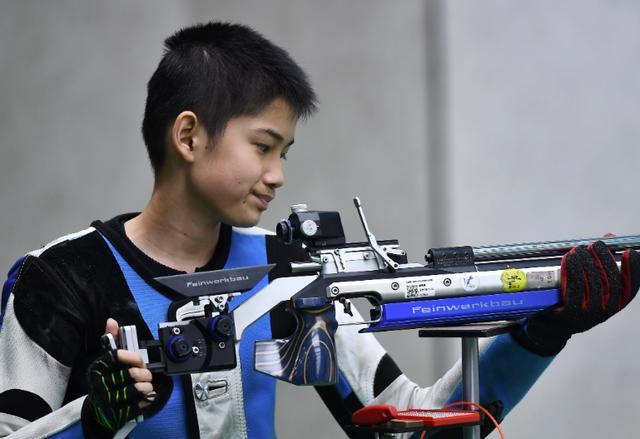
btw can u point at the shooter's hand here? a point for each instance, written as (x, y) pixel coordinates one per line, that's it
(593, 289)
(119, 387)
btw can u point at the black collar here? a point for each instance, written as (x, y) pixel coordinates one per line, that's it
(144, 265)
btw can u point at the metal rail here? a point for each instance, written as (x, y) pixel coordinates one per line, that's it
(548, 248)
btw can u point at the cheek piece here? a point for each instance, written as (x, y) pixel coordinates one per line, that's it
(112, 399)
(593, 289)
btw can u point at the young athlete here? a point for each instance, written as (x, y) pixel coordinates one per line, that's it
(220, 117)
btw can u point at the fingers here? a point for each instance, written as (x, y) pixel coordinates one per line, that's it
(127, 394)
(103, 365)
(118, 378)
(121, 367)
(142, 382)
(148, 399)
(117, 383)
(140, 375)
(125, 357)
(630, 275)
(574, 283)
(618, 287)
(609, 277)
(144, 388)
(147, 393)
(130, 358)
(112, 327)
(124, 381)
(594, 293)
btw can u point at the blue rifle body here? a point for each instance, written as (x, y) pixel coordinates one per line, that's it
(467, 309)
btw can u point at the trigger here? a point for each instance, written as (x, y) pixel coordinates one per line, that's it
(347, 306)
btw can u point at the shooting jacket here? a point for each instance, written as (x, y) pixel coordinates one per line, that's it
(57, 299)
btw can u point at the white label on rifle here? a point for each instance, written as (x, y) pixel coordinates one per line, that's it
(542, 279)
(420, 287)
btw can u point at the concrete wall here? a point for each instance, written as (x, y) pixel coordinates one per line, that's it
(456, 122)
(543, 144)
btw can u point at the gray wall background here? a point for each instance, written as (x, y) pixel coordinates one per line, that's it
(456, 122)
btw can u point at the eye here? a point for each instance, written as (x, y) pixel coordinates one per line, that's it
(262, 147)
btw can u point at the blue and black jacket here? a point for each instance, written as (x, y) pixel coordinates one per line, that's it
(57, 299)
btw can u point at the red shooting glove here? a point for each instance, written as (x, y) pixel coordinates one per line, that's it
(593, 289)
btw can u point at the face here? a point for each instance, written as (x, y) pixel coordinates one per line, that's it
(234, 178)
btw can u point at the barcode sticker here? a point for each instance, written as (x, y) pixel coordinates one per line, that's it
(419, 287)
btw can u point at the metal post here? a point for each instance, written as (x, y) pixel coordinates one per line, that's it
(471, 379)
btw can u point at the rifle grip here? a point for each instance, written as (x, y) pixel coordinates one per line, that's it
(308, 356)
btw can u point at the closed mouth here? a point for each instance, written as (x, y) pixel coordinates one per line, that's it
(265, 199)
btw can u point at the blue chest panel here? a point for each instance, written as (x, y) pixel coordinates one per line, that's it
(258, 389)
(171, 421)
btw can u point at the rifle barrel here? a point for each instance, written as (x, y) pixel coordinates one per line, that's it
(488, 253)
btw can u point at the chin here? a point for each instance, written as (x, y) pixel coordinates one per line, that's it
(242, 216)
(244, 222)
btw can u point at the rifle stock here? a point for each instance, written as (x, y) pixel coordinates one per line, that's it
(308, 356)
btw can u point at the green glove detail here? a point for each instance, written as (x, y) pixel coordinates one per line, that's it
(112, 399)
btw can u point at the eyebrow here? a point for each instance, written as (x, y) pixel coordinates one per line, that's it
(276, 135)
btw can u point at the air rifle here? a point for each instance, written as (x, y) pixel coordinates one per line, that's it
(457, 285)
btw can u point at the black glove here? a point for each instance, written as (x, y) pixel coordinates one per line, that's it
(112, 399)
(593, 289)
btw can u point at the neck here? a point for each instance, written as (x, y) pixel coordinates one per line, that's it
(172, 234)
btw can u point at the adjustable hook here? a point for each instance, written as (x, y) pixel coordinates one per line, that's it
(391, 264)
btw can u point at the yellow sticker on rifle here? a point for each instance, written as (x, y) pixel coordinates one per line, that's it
(513, 280)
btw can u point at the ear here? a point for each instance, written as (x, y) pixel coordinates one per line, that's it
(187, 135)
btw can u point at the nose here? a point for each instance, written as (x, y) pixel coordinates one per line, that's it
(274, 173)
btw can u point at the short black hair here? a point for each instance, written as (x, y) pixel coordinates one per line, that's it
(219, 71)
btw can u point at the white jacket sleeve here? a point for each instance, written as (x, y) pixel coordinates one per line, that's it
(360, 354)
